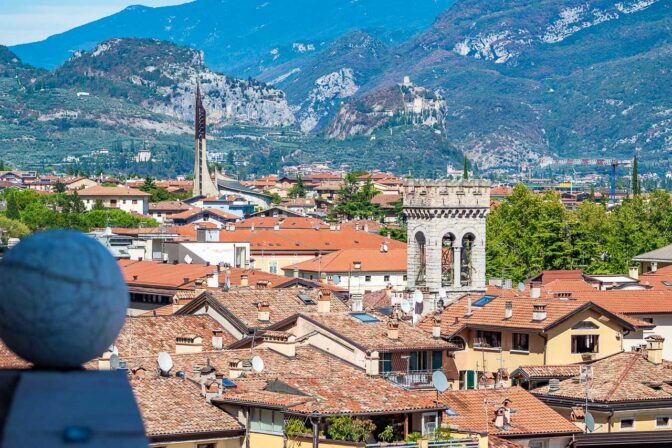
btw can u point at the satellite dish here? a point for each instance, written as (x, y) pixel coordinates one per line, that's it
(114, 362)
(417, 296)
(440, 381)
(165, 362)
(590, 422)
(405, 306)
(336, 279)
(521, 287)
(257, 364)
(188, 259)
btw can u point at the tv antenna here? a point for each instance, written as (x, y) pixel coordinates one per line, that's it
(165, 363)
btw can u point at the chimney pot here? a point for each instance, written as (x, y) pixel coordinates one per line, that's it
(324, 302)
(470, 310)
(508, 309)
(244, 280)
(654, 349)
(264, 311)
(436, 328)
(217, 339)
(539, 311)
(393, 329)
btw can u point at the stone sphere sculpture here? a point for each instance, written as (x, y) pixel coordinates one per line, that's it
(63, 299)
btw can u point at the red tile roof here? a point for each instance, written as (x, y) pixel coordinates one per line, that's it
(626, 376)
(372, 260)
(550, 275)
(195, 211)
(285, 223)
(99, 190)
(476, 412)
(169, 206)
(172, 406)
(157, 274)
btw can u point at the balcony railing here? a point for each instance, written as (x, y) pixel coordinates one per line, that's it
(454, 443)
(414, 379)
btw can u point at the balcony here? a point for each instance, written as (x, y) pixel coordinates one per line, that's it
(414, 379)
(453, 443)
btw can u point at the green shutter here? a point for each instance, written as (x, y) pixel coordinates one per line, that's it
(437, 360)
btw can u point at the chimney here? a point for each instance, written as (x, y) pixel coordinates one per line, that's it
(324, 302)
(284, 343)
(188, 344)
(276, 227)
(393, 329)
(654, 266)
(235, 368)
(535, 292)
(264, 312)
(217, 340)
(654, 349)
(508, 309)
(539, 311)
(252, 228)
(213, 280)
(383, 247)
(244, 280)
(633, 272)
(470, 310)
(372, 363)
(366, 227)
(436, 328)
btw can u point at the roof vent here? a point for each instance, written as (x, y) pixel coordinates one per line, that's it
(554, 385)
(508, 309)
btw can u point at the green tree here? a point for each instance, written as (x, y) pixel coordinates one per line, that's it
(298, 190)
(465, 173)
(355, 201)
(636, 189)
(12, 208)
(12, 229)
(59, 187)
(275, 198)
(98, 205)
(349, 429)
(149, 184)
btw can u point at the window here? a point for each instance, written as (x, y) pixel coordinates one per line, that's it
(458, 342)
(521, 342)
(585, 343)
(386, 278)
(419, 361)
(367, 278)
(662, 422)
(385, 362)
(205, 445)
(266, 420)
(488, 339)
(134, 201)
(538, 444)
(430, 422)
(648, 319)
(437, 360)
(627, 424)
(585, 325)
(273, 267)
(405, 277)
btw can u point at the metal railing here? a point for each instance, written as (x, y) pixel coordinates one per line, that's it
(415, 379)
(453, 443)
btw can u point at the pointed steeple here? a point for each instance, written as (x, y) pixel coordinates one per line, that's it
(200, 123)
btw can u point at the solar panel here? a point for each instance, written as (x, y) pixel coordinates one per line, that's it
(364, 317)
(228, 383)
(306, 299)
(484, 300)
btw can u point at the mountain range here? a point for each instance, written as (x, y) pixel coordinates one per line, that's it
(369, 83)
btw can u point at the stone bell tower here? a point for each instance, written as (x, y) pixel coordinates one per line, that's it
(203, 183)
(446, 238)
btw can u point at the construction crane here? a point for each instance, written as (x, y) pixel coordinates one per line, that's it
(547, 161)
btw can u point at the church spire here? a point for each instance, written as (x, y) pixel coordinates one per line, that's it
(200, 114)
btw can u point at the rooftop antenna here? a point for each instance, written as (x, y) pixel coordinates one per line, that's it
(165, 363)
(257, 364)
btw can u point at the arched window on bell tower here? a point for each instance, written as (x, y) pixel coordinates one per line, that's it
(447, 260)
(421, 260)
(466, 260)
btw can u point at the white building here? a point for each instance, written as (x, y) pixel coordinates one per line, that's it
(127, 199)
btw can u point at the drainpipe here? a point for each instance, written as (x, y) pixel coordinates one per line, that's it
(247, 427)
(316, 431)
(545, 338)
(611, 414)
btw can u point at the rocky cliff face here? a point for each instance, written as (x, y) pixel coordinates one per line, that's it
(162, 77)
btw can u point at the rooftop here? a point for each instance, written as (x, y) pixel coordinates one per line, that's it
(664, 255)
(158, 274)
(99, 190)
(372, 260)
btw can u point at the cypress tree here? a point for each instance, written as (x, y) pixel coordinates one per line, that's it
(465, 174)
(635, 179)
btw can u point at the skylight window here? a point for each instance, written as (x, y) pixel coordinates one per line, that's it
(227, 383)
(666, 283)
(484, 301)
(365, 317)
(306, 299)
(451, 413)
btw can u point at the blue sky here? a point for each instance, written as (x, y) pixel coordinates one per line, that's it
(24, 21)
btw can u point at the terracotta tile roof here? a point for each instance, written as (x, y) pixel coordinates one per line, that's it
(372, 260)
(299, 202)
(285, 223)
(195, 211)
(550, 275)
(372, 336)
(148, 336)
(385, 199)
(496, 442)
(311, 241)
(377, 299)
(240, 305)
(476, 412)
(501, 191)
(172, 406)
(253, 277)
(630, 302)
(169, 206)
(626, 376)
(9, 360)
(564, 285)
(657, 280)
(99, 190)
(454, 316)
(157, 274)
(547, 372)
(367, 225)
